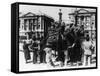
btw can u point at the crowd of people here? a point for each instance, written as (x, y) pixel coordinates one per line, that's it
(69, 47)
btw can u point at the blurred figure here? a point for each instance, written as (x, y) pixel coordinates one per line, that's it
(42, 53)
(93, 50)
(87, 51)
(48, 54)
(34, 48)
(61, 56)
(66, 57)
(42, 56)
(77, 51)
(26, 52)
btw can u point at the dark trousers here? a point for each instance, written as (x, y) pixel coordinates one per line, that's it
(42, 57)
(35, 57)
(27, 55)
(61, 57)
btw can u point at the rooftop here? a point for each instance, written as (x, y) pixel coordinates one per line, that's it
(83, 11)
(30, 14)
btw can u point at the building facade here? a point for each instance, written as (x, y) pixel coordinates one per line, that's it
(85, 19)
(31, 23)
(33, 27)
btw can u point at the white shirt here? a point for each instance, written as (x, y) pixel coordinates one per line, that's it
(86, 47)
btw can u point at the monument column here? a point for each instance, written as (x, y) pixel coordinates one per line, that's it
(60, 16)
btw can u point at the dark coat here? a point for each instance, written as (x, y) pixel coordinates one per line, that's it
(26, 51)
(76, 52)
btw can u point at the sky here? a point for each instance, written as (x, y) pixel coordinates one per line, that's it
(49, 10)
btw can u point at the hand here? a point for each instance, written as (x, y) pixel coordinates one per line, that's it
(70, 47)
(73, 45)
